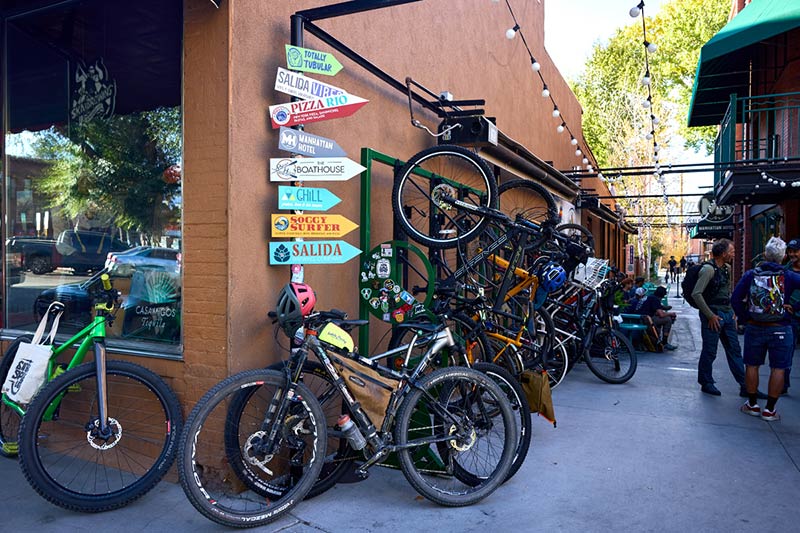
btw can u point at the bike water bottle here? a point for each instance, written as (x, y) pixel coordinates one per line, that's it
(354, 436)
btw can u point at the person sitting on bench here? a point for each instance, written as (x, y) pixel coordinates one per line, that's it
(658, 315)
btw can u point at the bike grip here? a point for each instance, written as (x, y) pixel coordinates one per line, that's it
(106, 282)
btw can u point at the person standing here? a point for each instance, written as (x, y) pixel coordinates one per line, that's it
(717, 321)
(682, 264)
(793, 253)
(759, 299)
(673, 265)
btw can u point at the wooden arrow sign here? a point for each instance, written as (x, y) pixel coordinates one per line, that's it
(286, 169)
(315, 226)
(311, 252)
(308, 60)
(305, 111)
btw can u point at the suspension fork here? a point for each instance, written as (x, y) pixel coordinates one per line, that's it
(279, 405)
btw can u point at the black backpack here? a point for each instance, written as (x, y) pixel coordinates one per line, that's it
(690, 280)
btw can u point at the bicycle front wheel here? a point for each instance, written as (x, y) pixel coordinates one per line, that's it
(427, 180)
(69, 461)
(283, 468)
(472, 415)
(611, 357)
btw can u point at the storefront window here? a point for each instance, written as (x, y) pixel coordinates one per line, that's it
(93, 151)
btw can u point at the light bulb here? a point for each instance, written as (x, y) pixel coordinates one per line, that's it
(646, 79)
(535, 65)
(783, 184)
(585, 161)
(647, 103)
(560, 128)
(556, 112)
(757, 185)
(654, 119)
(545, 91)
(512, 32)
(635, 10)
(649, 136)
(600, 175)
(578, 152)
(573, 141)
(656, 148)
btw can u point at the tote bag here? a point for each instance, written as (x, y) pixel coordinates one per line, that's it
(29, 369)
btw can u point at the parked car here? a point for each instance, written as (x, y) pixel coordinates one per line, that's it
(126, 262)
(82, 251)
(34, 254)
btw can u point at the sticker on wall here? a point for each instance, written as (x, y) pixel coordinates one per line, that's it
(308, 60)
(311, 226)
(301, 86)
(313, 169)
(311, 252)
(305, 111)
(306, 198)
(300, 142)
(94, 94)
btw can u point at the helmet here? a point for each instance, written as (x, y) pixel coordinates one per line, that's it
(295, 301)
(552, 276)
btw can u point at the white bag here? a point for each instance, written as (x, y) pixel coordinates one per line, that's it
(29, 369)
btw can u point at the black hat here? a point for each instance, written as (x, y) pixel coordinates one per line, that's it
(794, 243)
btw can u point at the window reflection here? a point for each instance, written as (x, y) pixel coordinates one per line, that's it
(93, 181)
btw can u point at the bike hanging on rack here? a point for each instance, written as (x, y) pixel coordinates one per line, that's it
(97, 435)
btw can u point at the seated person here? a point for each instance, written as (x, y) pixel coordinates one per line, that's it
(655, 313)
(624, 294)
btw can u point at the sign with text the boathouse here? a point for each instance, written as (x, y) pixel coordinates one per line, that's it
(300, 142)
(306, 198)
(311, 252)
(313, 226)
(285, 169)
(306, 111)
(308, 60)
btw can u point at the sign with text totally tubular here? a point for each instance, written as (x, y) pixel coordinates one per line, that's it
(305, 111)
(311, 252)
(306, 198)
(313, 169)
(300, 142)
(308, 60)
(296, 84)
(311, 226)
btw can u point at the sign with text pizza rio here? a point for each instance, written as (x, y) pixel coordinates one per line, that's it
(305, 111)
(284, 169)
(308, 60)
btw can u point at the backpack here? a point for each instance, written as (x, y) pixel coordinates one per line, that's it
(765, 299)
(690, 280)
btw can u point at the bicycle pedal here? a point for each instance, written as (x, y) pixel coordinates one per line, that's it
(361, 474)
(10, 448)
(74, 388)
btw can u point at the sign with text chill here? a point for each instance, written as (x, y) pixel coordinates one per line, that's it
(285, 169)
(306, 198)
(305, 111)
(311, 226)
(311, 252)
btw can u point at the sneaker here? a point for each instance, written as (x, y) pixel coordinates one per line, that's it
(752, 410)
(668, 346)
(770, 416)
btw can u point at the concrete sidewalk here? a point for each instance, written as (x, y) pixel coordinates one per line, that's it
(654, 454)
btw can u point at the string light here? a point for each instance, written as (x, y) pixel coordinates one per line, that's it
(560, 128)
(648, 102)
(545, 91)
(535, 65)
(573, 141)
(578, 152)
(556, 112)
(635, 10)
(512, 32)
(646, 78)
(651, 47)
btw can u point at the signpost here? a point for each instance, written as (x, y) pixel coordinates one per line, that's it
(311, 252)
(314, 226)
(629, 259)
(308, 60)
(305, 111)
(296, 84)
(300, 142)
(313, 169)
(306, 198)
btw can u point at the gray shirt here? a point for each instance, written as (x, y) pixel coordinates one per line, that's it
(704, 277)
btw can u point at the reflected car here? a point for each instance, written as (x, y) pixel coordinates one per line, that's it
(143, 257)
(76, 299)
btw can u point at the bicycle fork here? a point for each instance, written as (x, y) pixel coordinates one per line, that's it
(101, 427)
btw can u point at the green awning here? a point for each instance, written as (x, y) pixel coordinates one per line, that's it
(724, 65)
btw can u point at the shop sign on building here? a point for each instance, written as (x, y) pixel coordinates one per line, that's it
(296, 84)
(315, 226)
(629, 259)
(94, 94)
(305, 111)
(284, 169)
(300, 142)
(311, 252)
(306, 198)
(308, 60)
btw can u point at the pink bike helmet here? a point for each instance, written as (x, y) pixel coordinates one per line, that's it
(295, 301)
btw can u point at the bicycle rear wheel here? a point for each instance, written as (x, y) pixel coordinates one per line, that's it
(611, 357)
(426, 179)
(67, 460)
(9, 418)
(470, 413)
(529, 199)
(285, 469)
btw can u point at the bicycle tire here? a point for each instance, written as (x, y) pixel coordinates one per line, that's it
(529, 199)
(519, 402)
(9, 418)
(289, 472)
(450, 170)
(611, 357)
(60, 470)
(577, 233)
(442, 405)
